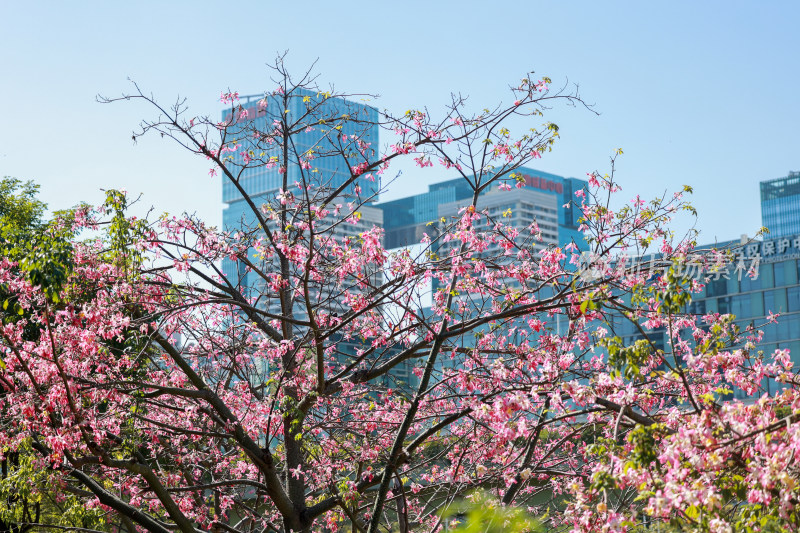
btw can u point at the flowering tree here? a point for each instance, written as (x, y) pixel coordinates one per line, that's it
(159, 389)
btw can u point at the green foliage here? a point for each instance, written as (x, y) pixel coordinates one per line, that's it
(602, 481)
(46, 258)
(43, 251)
(19, 207)
(676, 295)
(755, 518)
(719, 334)
(627, 360)
(590, 304)
(123, 233)
(482, 513)
(644, 450)
(29, 494)
(673, 297)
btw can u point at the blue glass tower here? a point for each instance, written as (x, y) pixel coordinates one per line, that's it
(780, 205)
(324, 127)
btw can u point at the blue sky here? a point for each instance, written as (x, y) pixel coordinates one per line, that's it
(704, 93)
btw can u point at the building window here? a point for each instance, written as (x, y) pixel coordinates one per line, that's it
(793, 298)
(775, 301)
(717, 287)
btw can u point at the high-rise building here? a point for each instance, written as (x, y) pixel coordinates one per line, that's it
(319, 131)
(760, 280)
(516, 208)
(780, 205)
(774, 288)
(546, 198)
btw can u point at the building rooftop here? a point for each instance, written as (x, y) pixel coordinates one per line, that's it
(781, 187)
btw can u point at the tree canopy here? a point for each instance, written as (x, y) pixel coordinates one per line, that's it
(164, 394)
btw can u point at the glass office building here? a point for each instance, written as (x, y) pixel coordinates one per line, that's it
(775, 289)
(307, 108)
(262, 180)
(780, 205)
(406, 219)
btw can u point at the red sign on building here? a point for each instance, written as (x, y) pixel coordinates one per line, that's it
(542, 183)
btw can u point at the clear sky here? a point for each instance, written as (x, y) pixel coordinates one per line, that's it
(704, 93)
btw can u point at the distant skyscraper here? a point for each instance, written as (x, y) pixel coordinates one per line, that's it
(780, 205)
(516, 208)
(263, 180)
(547, 197)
